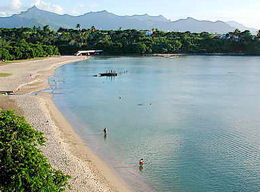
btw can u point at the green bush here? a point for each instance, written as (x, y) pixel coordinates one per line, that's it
(22, 165)
(5, 55)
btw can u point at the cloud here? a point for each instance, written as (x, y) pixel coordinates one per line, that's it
(93, 5)
(15, 4)
(73, 12)
(248, 17)
(3, 14)
(81, 6)
(49, 6)
(87, 6)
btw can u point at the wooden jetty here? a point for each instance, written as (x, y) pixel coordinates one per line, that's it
(109, 74)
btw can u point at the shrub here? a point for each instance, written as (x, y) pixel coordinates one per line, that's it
(22, 164)
(5, 55)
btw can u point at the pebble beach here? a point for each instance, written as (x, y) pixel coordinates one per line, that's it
(64, 148)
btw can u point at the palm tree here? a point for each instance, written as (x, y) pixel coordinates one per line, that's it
(78, 26)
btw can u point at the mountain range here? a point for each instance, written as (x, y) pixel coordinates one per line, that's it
(109, 21)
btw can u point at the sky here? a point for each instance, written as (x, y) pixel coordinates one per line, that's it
(246, 12)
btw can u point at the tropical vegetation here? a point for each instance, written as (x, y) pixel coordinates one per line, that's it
(22, 43)
(22, 164)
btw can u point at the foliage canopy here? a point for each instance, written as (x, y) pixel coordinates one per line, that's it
(22, 164)
(22, 43)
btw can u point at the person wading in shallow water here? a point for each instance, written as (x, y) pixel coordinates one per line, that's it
(141, 162)
(105, 131)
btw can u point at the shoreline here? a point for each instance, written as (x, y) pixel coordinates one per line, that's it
(175, 55)
(198, 54)
(64, 148)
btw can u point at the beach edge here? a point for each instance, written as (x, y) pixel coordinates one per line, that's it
(64, 148)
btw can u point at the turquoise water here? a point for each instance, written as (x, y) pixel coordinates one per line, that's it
(194, 119)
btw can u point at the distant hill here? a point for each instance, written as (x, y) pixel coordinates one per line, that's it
(241, 27)
(109, 21)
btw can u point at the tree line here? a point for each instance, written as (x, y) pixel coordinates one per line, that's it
(22, 43)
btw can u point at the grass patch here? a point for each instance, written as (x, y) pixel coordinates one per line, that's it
(5, 74)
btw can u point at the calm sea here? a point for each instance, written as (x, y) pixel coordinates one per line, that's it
(194, 119)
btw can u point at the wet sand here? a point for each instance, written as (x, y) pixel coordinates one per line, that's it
(64, 148)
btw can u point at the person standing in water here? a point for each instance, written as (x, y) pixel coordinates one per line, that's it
(141, 162)
(105, 131)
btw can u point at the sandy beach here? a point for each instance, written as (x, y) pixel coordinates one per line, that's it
(64, 148)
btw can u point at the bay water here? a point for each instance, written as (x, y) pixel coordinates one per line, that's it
(195, 120)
